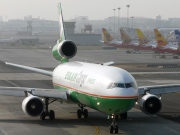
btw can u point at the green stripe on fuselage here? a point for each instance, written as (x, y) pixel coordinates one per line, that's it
(106, 105)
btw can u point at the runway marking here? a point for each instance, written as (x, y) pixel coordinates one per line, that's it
(11, 83)
(97, 128)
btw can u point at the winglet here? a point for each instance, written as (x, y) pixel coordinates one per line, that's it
(61, 24)
(107, 37)
(141, 37)
(161, 41)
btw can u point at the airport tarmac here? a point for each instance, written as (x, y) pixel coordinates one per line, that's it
(14, 122)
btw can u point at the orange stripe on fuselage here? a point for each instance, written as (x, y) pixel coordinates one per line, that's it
(128, 97)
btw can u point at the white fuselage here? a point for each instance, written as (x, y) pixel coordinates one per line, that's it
(95, 79)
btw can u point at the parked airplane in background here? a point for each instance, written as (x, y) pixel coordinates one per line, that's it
(126, 41)
(6, 41)
(109, 40)
(163, 45)
(144, 43)
(108, 89)
(177, 34)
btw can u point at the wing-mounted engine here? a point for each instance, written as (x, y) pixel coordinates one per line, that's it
(64, 50)
(33, 106)
(150, 104)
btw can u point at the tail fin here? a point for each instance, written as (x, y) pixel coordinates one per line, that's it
(142, 38)
(61, 24)
(161, 41)
(107, 37)
(177, 33)
(125, 38)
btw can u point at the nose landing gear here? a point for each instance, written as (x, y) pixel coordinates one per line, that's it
(113, 127)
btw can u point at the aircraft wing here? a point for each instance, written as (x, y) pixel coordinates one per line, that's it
(23, 91)
(40, 71)
(153, 73)
(159, 89)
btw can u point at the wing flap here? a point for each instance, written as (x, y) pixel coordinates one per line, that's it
(159, 89)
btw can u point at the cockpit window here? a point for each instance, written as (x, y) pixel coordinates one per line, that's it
(122, 85)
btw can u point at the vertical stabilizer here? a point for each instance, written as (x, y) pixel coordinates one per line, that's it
(61, 24)
(124, 37)
(107, 37)
(161, 41)
(177, 34)
(141, 37)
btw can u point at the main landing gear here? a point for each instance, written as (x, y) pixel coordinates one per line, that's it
(46, 111)
(114, 127)
(82, 111)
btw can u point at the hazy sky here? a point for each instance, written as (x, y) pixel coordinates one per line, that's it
(95, 9)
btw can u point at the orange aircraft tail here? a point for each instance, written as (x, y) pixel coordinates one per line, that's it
(161, 41)
(125, 38)
(107, 37)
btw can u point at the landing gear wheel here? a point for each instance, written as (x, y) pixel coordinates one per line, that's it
(43, 115)
(111, 128)
(51, 115)
(116, 129)
(124, 116)
(79, 113)
(85, 113)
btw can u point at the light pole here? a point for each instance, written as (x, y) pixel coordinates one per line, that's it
(132, 17)
(127, 15)
(84, 24)
(109, 19)
(119, 17)
(114, 19)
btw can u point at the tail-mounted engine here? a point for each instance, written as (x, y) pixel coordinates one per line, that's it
(64, 50)
(150, 104)
(33, 106)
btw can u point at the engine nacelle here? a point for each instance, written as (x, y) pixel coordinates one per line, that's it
(150, 104)
(33, 106)
(64, 50)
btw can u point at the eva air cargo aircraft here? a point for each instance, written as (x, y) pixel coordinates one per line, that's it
(105, 88)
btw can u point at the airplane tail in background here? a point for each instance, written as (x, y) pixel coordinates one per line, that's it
(107, 37)
(161, 41)
(141, 37)
(177, 33)
(125, 38)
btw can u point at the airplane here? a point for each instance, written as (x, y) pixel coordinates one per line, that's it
(177, 34)
(6, 41)
(103, 87)
(125, 43)
(109, 40)
(144, 43)
(163, 45)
